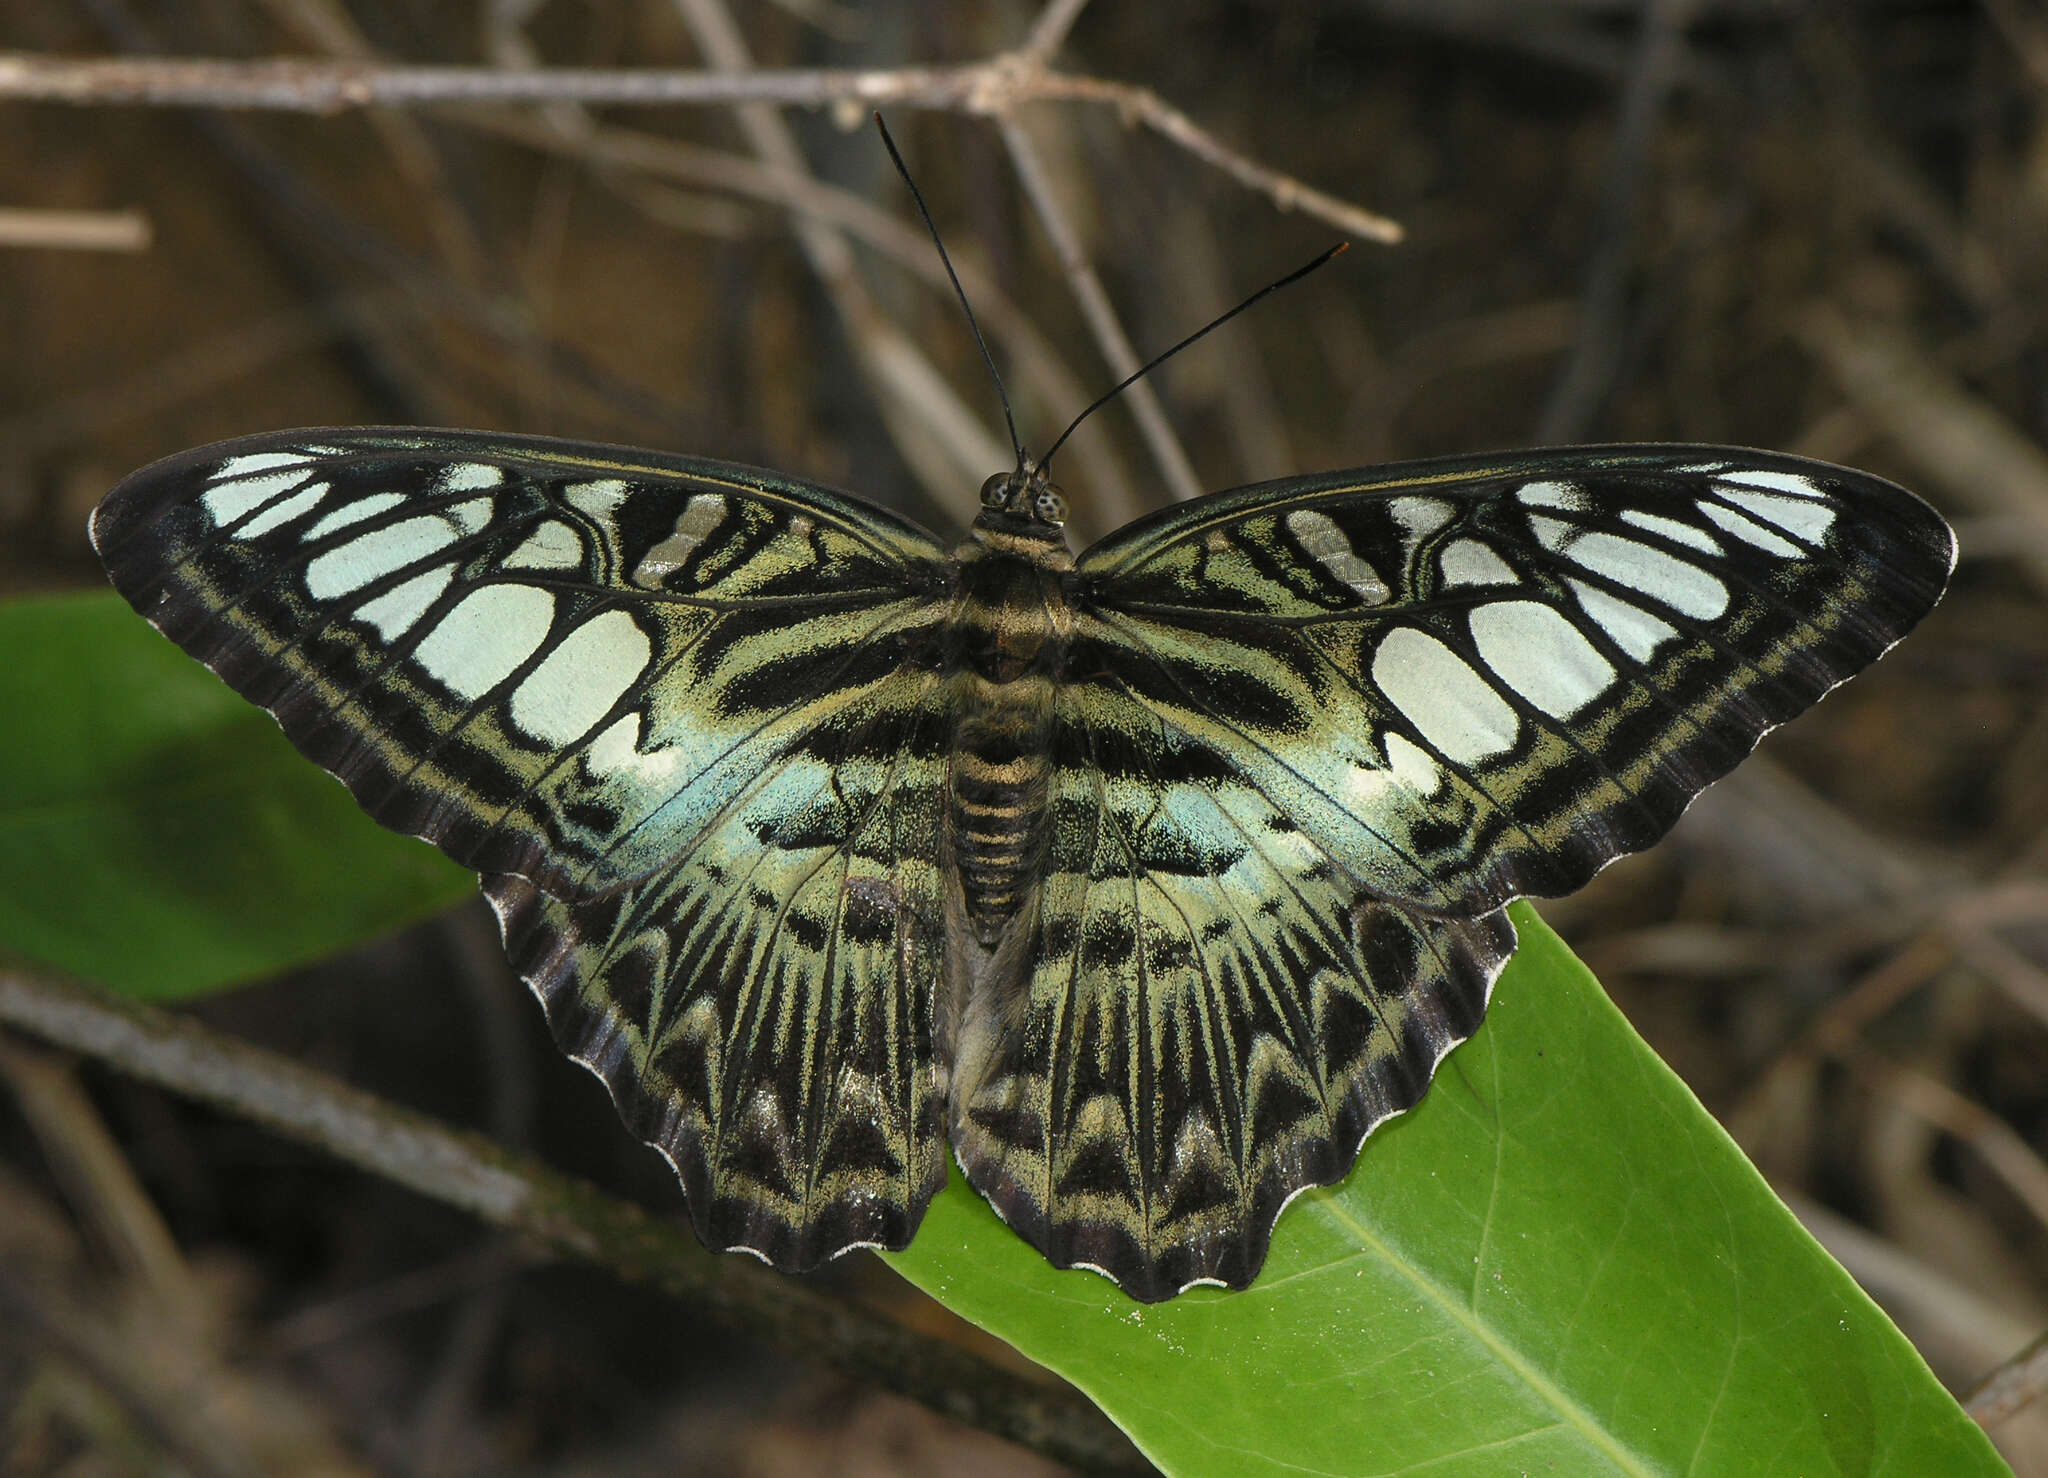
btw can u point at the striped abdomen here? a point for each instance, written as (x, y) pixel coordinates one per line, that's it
(1000, 781)
(1009, 632)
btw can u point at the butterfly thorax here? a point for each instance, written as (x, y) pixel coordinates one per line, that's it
(1007, 635)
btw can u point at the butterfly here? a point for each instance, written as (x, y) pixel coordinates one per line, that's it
(1148, 880)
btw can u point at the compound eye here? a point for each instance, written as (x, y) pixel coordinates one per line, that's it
(1050, 507)
(995, 493)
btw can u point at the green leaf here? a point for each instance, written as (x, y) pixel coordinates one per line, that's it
(1558, 1263)
(159, 834)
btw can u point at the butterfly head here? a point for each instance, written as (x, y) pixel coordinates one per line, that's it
(1022, 502)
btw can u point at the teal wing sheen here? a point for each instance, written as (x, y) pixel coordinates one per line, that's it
(762, 1005)
(682, 715)
(1205, 1011)
(1310, 738)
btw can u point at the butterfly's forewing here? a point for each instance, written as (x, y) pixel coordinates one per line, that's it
(1313, 735)
(643, 694)
(548, 659)
(1481, 679)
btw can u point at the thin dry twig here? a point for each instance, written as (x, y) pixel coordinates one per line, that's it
(1960, 441)
(1050, 30)
(945, 443)
(75, 230)
(98, 1181)
(160, 1400)
(991, 88)
(567, 1216)
(2014, 1385)
(2023, 981)
(1589, 374)
(1109, 333)
(1996, 1142)
(1029, 353)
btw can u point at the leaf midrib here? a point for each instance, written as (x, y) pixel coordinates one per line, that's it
(1570, 1412)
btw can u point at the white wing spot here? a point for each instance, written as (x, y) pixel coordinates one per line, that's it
(483, 640)
(1729, 521)
(284, 510)
(1452, 706)
(617, 748)
(1672, 529)
(250, 462)
(1323, 541)
(400, 608)
(471, 477)
(354, 511)
(470, 517)
(552, 545)
(234, 500)
(1783, 482)
(1803, 518)
(1633, 629)
(1410, 764)
(580, 679)
(1552, 495)
(1541, 655)
(1555, 535)
(699, 519)
(1468, 562)
(1685, 588)
(1420, 517)
(600, 499)
(375, 555)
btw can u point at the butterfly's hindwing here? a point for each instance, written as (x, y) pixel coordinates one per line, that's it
(1209, 1011)
(762, 1006)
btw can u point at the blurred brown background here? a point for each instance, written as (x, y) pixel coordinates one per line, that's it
(1809, 226)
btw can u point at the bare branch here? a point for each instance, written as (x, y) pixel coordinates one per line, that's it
(1997, 1143)
(2012, 1386)
(1051, 27)
(75, 230)
(1964, 444)
(990, 89)
(1596, 356)
(1029, 353)
(1087, 288)
(566, 1216)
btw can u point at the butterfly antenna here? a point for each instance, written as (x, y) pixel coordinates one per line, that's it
(1158, 359)
(987, 358)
